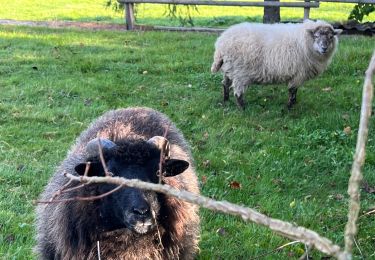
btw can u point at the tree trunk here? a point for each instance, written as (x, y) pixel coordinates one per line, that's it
(271, 14)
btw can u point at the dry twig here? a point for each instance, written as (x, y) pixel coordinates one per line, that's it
(107, 173)
(359, 159)
(274, 250)
(281, 227)
(83, 178)
(98, 246)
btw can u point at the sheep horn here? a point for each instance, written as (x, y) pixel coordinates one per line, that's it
(92, 147)
(162, 144)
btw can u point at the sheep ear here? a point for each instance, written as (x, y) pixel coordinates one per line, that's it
(174, 167)
(311, 32)
(95, 169)
(337, 32)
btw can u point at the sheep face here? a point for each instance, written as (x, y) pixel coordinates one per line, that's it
(324, 39)
(131, 208)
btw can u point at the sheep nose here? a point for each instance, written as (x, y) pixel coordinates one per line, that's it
(141, 210)
(324, 49)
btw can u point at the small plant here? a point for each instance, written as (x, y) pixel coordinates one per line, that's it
(181, 13)
(115, 5)
(361, 10)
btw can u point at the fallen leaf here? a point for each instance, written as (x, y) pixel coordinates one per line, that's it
(144, 72)
(10, 238)
(345, 116)
(339, 196)
(348, 130)
(300, 251)
(367, 188)
(87, 101)
(292, 204)
(206, 163)
(164, 103)
(21, 167)
(204, 179)
(327, 89)
(206, 135)
(221, 231)
(276, 181)
(235, 185)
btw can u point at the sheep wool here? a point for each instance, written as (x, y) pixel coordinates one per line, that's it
(250, 53)
(130, 223)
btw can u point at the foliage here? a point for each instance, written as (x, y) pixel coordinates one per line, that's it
(289, 165)
(182, 13)
(120, 7)
(115, 5)
(361, 10)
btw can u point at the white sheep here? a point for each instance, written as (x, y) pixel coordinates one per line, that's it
(250, 53)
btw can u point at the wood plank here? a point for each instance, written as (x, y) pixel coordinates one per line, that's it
(224, 3)
(346, 1)
(351, 1)
(129, 16)
(306, 12)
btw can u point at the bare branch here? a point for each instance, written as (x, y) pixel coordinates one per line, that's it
(359, 159)
(359, 249)
(60, 191)
(305, 256)
(157, 229)
(162, 155)
(283, 228)
(82, 198)
(98, 246)
(107, 173)
(87, 168)
(74, 188)
(274, 250)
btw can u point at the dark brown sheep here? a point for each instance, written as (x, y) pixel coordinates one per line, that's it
(130, 223)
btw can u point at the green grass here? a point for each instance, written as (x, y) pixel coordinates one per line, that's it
(214, 16)
(293, 166)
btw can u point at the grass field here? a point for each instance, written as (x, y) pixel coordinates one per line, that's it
(291, 165)
(94, 10)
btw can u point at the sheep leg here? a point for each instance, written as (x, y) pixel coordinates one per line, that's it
(292, 97)
(226, 84)
(239, 88)
(240, 101)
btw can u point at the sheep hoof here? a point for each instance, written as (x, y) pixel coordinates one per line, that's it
(240, 102)
(226, 96)
(290, 106)
(291, 103)
(225, 93)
